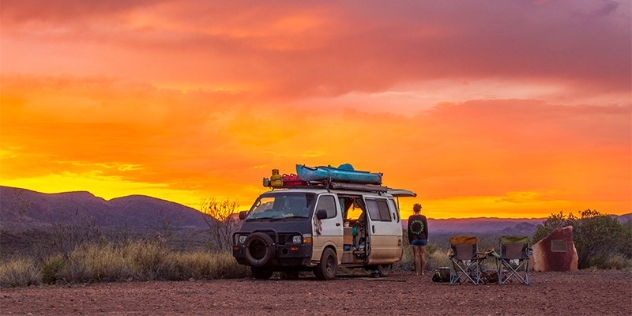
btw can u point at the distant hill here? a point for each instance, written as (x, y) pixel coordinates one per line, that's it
(507, 226)
(26, 208)
(623, 218)
(504, 226)
(30, 209)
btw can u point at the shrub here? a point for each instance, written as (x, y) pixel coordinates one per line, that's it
(51, 269)
(19, 272)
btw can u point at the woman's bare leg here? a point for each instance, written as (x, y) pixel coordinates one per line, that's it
(422, 254)
(416, 256)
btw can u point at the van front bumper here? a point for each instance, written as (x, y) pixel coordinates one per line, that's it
(289, 255)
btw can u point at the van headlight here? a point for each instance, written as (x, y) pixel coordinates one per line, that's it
(297, 239)
(240, 239)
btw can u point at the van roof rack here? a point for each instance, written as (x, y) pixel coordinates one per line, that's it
(358, 187)
(331, 185)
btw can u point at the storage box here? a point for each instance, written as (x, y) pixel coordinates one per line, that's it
(347, 236)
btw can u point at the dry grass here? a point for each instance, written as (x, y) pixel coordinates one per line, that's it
(19, 272)
(137, 261)
(151, 260)
(435, 257)
(615, 262)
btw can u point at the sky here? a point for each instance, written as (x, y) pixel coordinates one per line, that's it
(483, 108)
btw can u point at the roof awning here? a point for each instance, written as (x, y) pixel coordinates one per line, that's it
(401, 193)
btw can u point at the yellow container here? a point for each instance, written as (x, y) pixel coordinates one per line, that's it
(275, 179)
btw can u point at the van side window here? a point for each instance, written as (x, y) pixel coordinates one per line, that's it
(385, 214)
(374, 212)
(327, 202)
(378, 210)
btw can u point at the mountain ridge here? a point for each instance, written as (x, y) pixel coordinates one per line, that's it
(28, 208)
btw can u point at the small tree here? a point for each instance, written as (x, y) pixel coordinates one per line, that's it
(222, 222)
(598, 236)
(552, 223)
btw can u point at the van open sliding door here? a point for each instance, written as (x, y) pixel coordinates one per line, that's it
(384, 231)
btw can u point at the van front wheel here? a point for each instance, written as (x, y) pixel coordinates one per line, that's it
(328, 266)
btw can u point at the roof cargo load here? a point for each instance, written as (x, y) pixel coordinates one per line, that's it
(344, 173)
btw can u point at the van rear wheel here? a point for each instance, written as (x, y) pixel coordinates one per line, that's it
(328, 266)
(384, 269)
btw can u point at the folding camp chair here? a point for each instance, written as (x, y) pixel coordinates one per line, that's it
(513, 260)
(464, 260)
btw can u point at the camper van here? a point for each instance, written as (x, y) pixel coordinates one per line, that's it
(320, 227)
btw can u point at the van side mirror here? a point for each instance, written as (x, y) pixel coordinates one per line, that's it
(242, 215)
(321, 214)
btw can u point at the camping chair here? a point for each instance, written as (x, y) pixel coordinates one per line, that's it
(464, 260)
(513, 260)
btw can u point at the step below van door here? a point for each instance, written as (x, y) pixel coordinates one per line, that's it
(384, 230)
(327, 231)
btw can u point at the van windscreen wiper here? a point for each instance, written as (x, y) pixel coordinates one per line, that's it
(294, 216)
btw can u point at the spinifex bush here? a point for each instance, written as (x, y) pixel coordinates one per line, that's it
(149, 260)
(97, 263)
(616, 262)
(435, 257)
(144, 261)
(51, 268)
(19, 272)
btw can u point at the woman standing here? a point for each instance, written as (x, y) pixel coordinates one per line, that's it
(418, 237)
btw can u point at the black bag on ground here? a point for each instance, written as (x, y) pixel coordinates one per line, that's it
(437, 277)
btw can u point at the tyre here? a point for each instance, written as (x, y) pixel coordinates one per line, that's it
(259, 249)
(261, 273)
(384, 269)
(328, 266)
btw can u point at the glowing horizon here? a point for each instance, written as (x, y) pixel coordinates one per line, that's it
(484, 108)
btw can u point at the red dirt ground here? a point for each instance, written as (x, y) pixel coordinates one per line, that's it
(551, 293)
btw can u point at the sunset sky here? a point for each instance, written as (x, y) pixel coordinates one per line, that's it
(483, 108)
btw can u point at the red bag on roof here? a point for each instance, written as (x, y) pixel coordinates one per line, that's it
(290, 180)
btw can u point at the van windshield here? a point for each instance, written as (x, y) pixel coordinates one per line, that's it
(283, 205)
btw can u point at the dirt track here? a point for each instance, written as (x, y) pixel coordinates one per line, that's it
(576, 293)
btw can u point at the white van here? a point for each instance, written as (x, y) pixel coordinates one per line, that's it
(318, 229)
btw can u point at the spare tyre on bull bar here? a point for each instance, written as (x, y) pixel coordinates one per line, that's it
(319, 227)
(258, 249)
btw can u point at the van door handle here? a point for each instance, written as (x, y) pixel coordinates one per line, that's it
(337, 224)
(373, 228)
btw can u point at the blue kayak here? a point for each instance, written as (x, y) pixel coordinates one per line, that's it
(344, 173)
